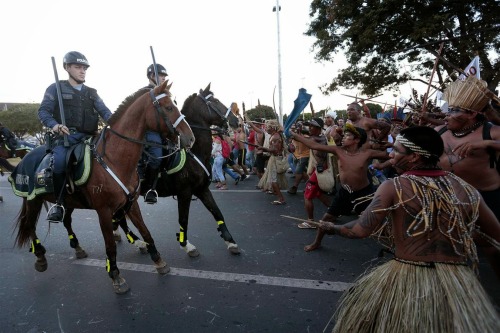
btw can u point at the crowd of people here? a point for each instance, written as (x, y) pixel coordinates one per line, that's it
(427, 186)
(435, 207)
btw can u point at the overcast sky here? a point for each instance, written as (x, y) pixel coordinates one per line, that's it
(230, 43)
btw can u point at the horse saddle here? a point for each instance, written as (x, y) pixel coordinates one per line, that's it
(33, 176)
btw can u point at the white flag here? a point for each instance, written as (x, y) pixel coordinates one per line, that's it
(472, 69)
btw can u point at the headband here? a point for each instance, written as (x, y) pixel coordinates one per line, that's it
(415, 148)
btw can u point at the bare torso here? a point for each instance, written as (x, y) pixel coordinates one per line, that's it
(475, 168)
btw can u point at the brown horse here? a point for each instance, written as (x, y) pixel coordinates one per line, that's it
(113, 184)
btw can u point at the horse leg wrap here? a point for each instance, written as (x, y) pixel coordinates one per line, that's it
(224, 233)
(112, 268)
(182, 237)
(131, 237)
(73, 241)
(37, 248)
(153, 252)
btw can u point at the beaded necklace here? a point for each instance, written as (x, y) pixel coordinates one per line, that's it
(441, 209)
(467, 130)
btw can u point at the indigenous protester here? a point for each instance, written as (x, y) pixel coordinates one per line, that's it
(260, 159)
(433, 214)
(82, 108)
(355, 190)
(317, 163)
(301, 160)
(153, 153)
(275, 180)
(369, 125)
(472, 144)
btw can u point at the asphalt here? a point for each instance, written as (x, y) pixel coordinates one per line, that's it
(272, 286)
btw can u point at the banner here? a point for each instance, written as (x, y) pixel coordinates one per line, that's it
(299, 104)
(472, 69)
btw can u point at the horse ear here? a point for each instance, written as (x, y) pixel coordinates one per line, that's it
(169, 86)
(207, 89)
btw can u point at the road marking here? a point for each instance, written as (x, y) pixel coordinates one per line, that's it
(228, 277)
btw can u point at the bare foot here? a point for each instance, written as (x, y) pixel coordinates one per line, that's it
(311, 247)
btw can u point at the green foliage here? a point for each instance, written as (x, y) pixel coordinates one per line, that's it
(22, 120)
(378, 37)
(261, 111)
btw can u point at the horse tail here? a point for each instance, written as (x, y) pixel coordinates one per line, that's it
(5, 164)
(26, 222)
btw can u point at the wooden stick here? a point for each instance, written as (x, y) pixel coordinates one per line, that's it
(424, 104)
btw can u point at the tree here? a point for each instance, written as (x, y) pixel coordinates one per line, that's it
(261, 111)
(379, 36)
(22, 119)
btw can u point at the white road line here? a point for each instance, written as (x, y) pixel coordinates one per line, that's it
(228, 277)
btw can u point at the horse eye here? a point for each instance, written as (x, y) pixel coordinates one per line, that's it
(169, 108)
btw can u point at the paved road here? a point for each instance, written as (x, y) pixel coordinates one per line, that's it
(273, 286)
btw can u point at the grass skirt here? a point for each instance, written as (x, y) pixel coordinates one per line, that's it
(271, 175)
(401, 297)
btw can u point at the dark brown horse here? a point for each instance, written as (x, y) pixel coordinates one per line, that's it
(6, 153)
(201, 110)
(113, 184)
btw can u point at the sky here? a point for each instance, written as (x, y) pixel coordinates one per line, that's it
(232, 44)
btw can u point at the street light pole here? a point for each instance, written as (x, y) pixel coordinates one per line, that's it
(280, 92)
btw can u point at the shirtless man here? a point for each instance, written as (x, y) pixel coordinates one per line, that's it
(466, 153)
(276, 145)
(353, 161)
(368, 124)
(242, 150)
(433, 217)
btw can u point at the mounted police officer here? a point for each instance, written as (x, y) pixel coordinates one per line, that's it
(153, 153)
(82, 108)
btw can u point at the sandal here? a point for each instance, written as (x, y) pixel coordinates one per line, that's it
(277, 202)
(305, 225)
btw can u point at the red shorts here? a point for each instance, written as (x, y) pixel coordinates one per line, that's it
(312, 189)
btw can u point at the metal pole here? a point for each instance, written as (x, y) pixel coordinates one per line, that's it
(280, 92)
(154, 66)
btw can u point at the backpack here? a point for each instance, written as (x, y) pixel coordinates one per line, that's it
(226, 150)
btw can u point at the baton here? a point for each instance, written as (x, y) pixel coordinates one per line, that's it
(154, 66)
(59, 99)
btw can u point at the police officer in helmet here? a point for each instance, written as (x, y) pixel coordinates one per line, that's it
(82, 108)
(153, 154)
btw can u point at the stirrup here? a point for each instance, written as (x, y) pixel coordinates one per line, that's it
(53, 211)
(154, 197)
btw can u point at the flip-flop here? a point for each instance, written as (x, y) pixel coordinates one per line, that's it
(305, 225)
(277, 202)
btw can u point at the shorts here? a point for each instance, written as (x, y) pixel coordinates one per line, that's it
(301, 165)
(344, 202)
(260, 162)
(312, 189)
(242, 153)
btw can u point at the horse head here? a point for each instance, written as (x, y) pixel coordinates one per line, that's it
(173, 119)
(218, 114)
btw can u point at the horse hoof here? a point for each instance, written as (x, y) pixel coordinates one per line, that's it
(162, 267)
(233, 248)
(120, 286)
(117, 236)
(80, 253)
(142, 246)
(193, 253)
(41, 265)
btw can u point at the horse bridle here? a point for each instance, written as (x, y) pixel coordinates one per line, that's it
(208, 103)
(161, 110)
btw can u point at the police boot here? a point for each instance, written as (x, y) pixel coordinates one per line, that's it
(151, 196)
(56, 212)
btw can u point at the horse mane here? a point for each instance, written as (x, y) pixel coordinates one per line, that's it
(126, 104)
(187, 103)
